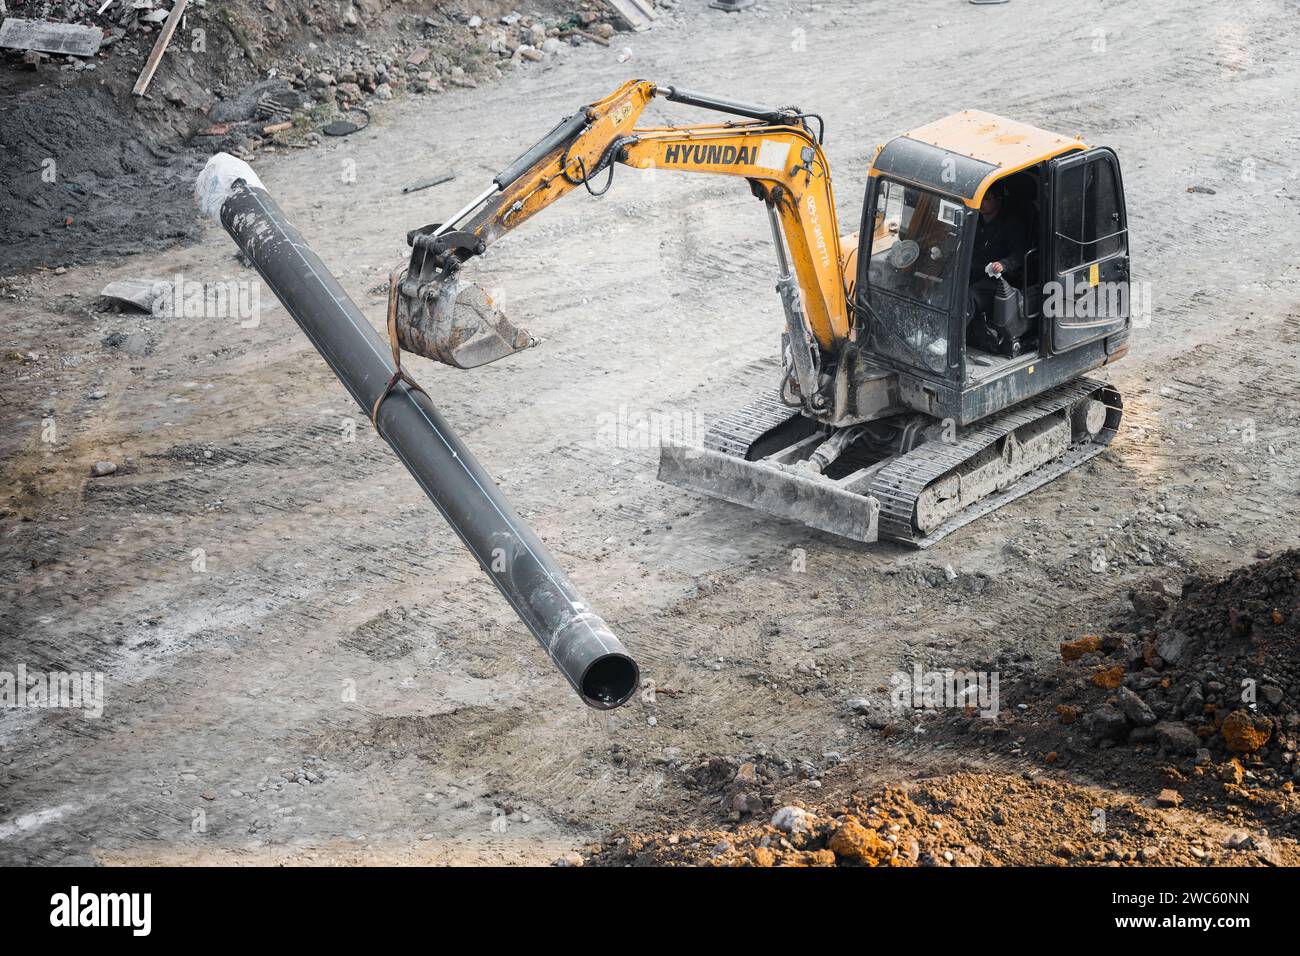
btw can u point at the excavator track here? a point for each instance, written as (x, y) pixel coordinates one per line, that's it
(737, 432)
(899, 485)
(916, 498)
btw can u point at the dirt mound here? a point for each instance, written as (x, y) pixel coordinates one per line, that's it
(964, 819)
(97, 171)
(1194, 695)
(1212, 675)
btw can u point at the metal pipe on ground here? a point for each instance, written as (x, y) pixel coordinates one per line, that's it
(580, 644)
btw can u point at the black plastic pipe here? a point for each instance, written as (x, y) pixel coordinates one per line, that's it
(592, 659)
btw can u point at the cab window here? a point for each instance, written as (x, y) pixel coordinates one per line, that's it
(1087, 215)
(914, 244)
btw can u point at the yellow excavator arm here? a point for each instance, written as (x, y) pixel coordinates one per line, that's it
(775, 150)
(782, 160)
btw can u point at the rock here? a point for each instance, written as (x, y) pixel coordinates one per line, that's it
(762, 856)
(551, 46)
(1267, 852)
(747, 775)
(531, 54)
(1108, 678)
(791, 820)
(1105, 723)
(1149, 603)
(1073, 650)
(1171, 646)
(1271, 694)
(746, 803)
(1193, 705)
(603, 30)
(854, 842)
(1232, 772)
(97, 394)
(859, 705)
(1177, 737)
(1239, 840)
(1135, 708)
(569, 859)
(475, 22)
(103, 468)
(536, 34)
(1168, 798)
(383, 92)
(1148, 853)
(349, 92)
(1245, 732)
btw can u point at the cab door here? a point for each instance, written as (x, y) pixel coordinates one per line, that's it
(1087, 295)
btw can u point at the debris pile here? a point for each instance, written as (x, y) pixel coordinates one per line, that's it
(1213, 674)
(741, 787)
(235, 76)
(1202, 686)
(965, 819)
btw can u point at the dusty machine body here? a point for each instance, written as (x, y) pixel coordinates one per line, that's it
(901, 412)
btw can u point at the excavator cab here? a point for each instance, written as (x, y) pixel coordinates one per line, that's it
(964, 342)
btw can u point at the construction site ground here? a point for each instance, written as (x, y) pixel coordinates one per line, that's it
(303, 665)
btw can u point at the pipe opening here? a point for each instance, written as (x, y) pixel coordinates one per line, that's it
(610, 681)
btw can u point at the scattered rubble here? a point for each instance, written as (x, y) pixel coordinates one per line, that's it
(1199, 688)
(964, 819)
(240, 76)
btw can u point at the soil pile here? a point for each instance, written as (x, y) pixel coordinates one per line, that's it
(1209, 678)
(96, 171)
(964, 819)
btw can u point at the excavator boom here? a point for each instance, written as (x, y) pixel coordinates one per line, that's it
(775, 150)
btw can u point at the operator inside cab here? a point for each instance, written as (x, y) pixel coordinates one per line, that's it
(1000, 245)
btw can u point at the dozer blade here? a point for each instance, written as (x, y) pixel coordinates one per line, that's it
(818, 502)
(460, 326)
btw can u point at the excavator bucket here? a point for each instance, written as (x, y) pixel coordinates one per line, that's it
(457, 323)
(774, 488)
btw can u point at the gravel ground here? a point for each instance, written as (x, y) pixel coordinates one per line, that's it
(302, 665)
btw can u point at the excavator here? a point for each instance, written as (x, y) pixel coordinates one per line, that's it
(905, 406)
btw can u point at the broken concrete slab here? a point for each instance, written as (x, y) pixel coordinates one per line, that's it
(141, 294)
(69, 39)
(637, 14)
